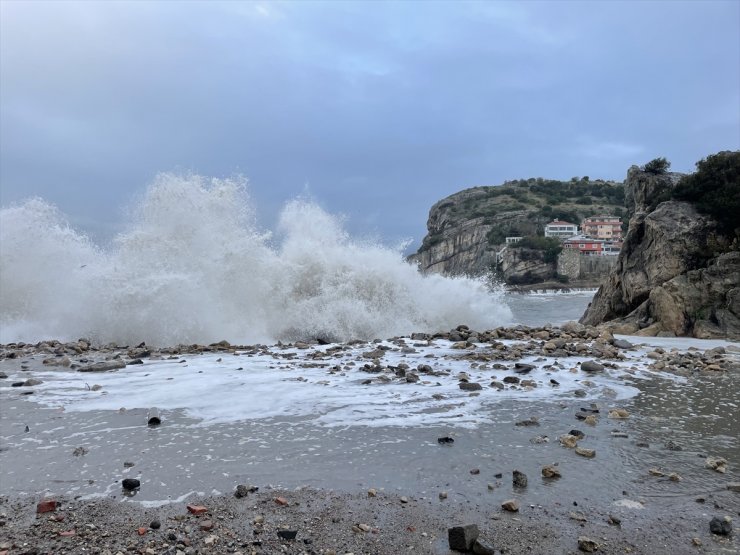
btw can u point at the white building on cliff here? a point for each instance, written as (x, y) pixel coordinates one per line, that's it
(560, 229)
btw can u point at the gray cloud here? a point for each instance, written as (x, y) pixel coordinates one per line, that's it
(381, 108)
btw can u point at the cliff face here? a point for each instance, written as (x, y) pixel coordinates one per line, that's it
(525, 266)
(461, 246)
(666, 281)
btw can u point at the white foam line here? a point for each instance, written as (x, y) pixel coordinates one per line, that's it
(217, 392)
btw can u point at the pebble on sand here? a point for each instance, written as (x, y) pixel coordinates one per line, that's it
(618, 413)
(567, 440)
(551, 471)
(587, 544)
(47, 505)
(197, 509)
(130, 484)
(721, 526)
(716, 463)
(461, 538)
(583, 452)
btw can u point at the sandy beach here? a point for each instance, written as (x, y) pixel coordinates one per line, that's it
(372, 447)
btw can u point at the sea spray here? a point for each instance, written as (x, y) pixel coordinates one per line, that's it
(192, 267)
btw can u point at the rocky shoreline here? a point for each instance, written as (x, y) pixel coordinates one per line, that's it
(327, 522)
(511, 514)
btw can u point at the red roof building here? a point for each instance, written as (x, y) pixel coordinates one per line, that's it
(588, 246)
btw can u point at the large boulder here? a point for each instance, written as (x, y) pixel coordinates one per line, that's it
(658, 247)
(704, 303)
(668, 278)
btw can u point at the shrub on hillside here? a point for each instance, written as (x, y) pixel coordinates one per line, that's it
(715, 189)
(550, 245)
(657, 166)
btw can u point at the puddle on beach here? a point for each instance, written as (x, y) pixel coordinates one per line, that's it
(291, 422)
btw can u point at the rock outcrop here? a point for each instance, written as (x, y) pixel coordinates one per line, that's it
(520, 266)
(459, 249)
(666, 280)
(643, 188)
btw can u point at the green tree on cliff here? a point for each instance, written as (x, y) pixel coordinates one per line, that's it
(715, 189)
(658, 166)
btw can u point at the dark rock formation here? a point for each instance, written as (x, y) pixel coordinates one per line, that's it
(667, 280)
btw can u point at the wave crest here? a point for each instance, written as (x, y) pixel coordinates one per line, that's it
(192, 267)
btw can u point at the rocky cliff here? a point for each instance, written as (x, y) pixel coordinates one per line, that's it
(467, 229)
(522, 266)
(670, 279)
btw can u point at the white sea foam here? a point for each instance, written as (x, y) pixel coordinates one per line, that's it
(214, 388)
(561, 292)
(193, 267)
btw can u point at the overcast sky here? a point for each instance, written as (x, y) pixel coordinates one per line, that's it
(376, 109)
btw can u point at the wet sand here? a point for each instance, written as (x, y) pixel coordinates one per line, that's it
(324, 466)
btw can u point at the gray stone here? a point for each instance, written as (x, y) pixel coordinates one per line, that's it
(462, 538)
(587, 544)
(522, 368)
(241, 491)
(591, 366)
(519, 479)
(583, 452)
(287, 534)
(721, 526)
(103, 366)
(622, 344)
(470, 386)
(482, 547)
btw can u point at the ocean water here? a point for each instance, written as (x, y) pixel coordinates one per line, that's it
(548, 307)
(192, 267)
